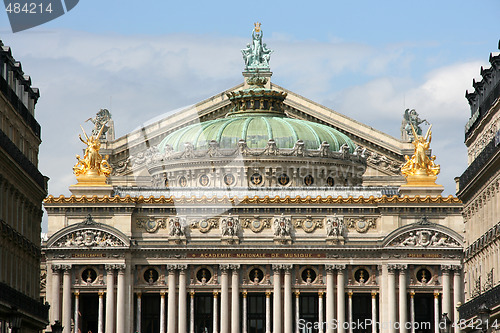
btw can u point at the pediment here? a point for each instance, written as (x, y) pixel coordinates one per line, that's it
(88, 234)
(423, 235)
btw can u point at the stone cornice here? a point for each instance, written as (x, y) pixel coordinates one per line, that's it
(249, 200)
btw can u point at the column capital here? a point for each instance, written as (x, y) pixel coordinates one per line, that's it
(350, 293)
(374, 294)
(56, 268)
(224, 268)
(456, 268)
(216, 294)
(391, 268)
(120, 268)
(329, 268)
(182, 267)
(139, 294)
(162, 293)
(402, 268)
(412, 294)
(192, 293)
(297, 293)
(268, 294)
(171, 268)
(276, 268)
(234, 267)
(100, 293)
(244, 293)
(77, 293)
(436, 294)
(66, 268)
(339, 267)
(445, 269)
(287, 268)
(320, 294)
(109, 267)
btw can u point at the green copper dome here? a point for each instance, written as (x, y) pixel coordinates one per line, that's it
(256, 130)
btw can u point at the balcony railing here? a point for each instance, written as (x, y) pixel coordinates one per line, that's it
(490, 298)
(23, 303)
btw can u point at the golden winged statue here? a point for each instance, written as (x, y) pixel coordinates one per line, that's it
(420, 166)
(92, 168)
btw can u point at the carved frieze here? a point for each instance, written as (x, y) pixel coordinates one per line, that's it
(151, 225)
(89, 238)
(230, 227)
(361, 224)
(309, 224)
(424, 238)
(256, 224)
(204, 225)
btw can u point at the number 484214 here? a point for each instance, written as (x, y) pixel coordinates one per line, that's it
(28, 8)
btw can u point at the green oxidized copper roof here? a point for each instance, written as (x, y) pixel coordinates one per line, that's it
(256, 129)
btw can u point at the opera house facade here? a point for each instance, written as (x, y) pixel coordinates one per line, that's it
(255, 210)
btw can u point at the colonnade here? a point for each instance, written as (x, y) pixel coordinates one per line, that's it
(176, 302)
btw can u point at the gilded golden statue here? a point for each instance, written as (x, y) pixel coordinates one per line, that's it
(92, 168)
(420, 168)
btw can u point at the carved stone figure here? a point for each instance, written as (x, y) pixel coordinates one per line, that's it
(177, 226)
(335, 226)
(282, 226)
(230, 226)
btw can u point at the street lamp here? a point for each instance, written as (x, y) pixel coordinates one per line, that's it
(57, 327)
(444, 323)
(483, 313)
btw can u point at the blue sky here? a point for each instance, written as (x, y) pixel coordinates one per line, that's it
(366, 59)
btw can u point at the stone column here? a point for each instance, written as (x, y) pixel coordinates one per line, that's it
(297, 311)
(245, 312)
(457, 294)
(268, 312)
(320, 311)
(66, 302)
(77, 310)
(172, 313)
(277, 298)
(349, 304)
(224, 299)
(162, 311)
(235, 299)
(374, 312)
(288, 324)
(436, 312)
(191, 313)
(391, 294)
(445, 274)
(403, 307)
(330, 309)
(216, 315)
(100, 322)
(138, 320)
(412, 311)
(120, 300)
(182, 299)
(340, 298)
(110, 298)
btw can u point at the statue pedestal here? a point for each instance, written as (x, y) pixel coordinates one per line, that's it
(421, 185)
(91, 185)
(264, 74)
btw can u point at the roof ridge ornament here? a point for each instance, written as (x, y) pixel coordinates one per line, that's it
(257, 55)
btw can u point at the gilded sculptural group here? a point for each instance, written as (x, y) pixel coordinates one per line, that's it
(92, 166)
(420, 164)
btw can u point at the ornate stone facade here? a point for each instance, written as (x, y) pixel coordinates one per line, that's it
(216, 233)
